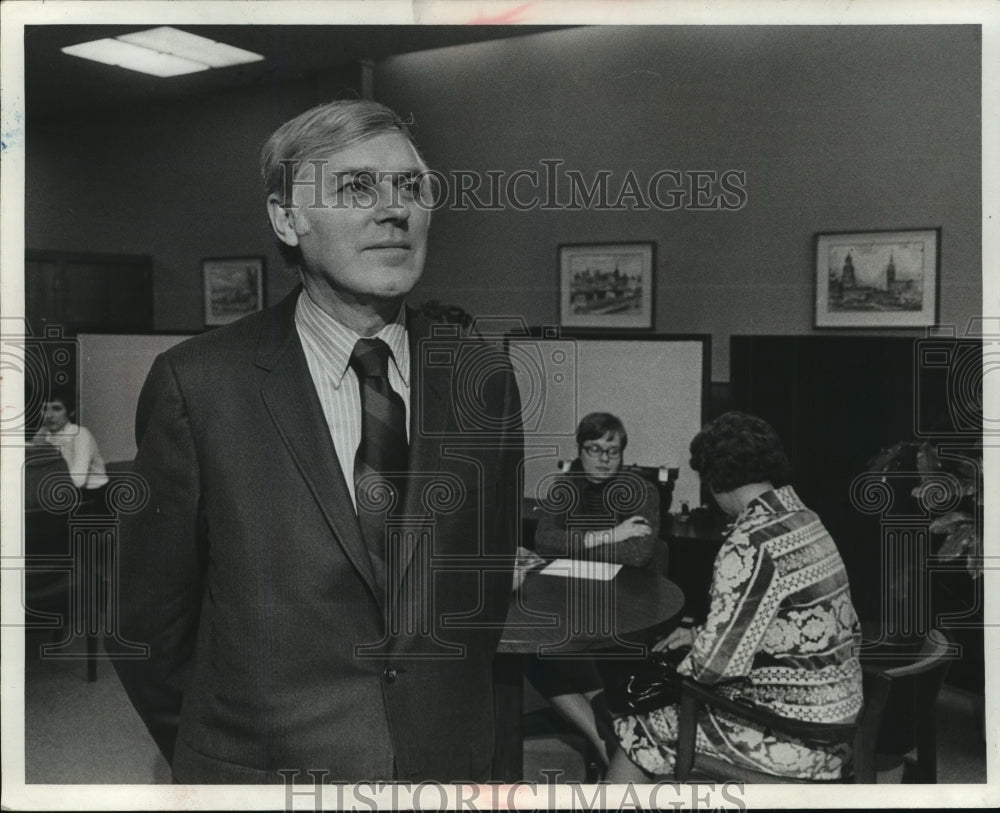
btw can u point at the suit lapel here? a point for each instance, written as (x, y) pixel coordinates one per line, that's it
(294, 406)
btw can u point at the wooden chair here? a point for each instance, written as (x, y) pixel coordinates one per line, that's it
(922, 673)
(909, 711)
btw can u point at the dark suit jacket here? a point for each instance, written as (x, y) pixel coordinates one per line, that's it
(271, 646)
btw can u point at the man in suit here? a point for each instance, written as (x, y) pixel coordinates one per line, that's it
(309, 606)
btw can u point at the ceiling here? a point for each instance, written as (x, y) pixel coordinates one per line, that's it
(58, 84)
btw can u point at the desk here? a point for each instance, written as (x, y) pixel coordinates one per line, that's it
(555, 615)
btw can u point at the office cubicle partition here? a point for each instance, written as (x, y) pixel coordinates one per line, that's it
(657, 384)
(112, 369)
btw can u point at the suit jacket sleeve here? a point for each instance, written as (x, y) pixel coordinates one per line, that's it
(510, 485)
(162, 553)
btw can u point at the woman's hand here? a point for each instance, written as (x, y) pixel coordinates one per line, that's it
(680, 637)
(631, 528)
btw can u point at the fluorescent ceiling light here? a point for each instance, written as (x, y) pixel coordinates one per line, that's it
(124, 55)
(162, 51)
(169, 40)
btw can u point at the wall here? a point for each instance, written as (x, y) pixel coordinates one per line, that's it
(113, 368)
(838, 129)
(178, 181)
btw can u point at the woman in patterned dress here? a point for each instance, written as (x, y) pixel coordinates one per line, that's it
(780, 615)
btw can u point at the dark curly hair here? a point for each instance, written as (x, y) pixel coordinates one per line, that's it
(736, 449)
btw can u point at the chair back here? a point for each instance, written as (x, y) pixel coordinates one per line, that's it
(908, 682)
(46, 528)
(662, 479)
(663, 482)
(921, 672)
(40, 464)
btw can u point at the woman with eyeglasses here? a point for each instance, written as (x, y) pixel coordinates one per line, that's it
(608, 515)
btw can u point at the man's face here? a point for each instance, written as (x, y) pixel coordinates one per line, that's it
(368, 241)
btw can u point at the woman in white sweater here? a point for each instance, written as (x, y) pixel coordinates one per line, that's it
(76, 445)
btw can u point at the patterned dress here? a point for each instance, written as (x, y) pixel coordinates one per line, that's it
(780, 614)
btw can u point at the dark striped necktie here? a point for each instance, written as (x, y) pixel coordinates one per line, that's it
(381, 460)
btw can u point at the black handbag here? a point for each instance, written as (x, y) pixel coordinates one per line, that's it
(652, 685)
(656, 683)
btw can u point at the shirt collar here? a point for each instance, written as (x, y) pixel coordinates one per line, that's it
(335, 341)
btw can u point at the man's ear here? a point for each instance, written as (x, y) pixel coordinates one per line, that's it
(285, 221)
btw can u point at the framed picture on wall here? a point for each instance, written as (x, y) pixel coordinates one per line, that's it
(607, 285)
(877, 278)
(232, 288)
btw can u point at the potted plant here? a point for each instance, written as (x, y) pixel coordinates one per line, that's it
(947, 486)
(950, 488)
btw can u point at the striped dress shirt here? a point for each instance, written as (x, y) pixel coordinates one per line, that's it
(328, 346)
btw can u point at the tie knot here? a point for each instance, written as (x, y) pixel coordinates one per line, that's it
(370, 358)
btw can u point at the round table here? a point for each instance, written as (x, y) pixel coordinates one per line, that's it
(551, 615)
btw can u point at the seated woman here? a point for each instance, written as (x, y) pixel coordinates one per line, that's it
(611, 517)
(77, 447)
(780, 614)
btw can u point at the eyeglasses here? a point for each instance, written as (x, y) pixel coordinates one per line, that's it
(595, 451)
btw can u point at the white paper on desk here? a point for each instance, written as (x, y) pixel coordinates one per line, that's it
(582, 569)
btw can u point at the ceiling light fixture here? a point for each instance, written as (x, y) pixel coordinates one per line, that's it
(162, 51)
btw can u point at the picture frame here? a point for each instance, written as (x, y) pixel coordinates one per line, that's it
(607, 285)
(232, 287)
(878, 279)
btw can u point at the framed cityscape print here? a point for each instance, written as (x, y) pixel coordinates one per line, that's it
(877, 278)
(232, 288)
(606, 285)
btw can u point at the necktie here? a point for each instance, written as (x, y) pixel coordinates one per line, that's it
(381, 459)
